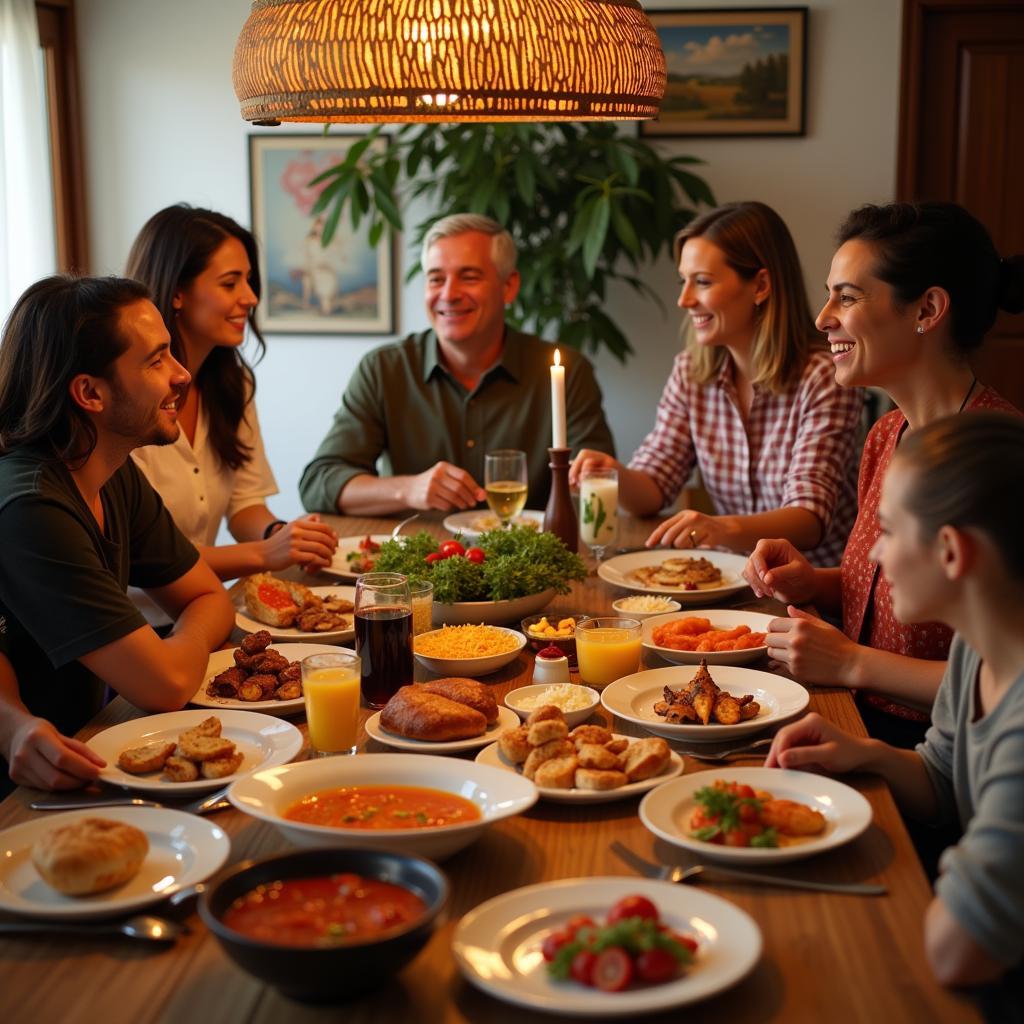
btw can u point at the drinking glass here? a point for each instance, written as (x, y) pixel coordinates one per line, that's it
(422, 596)
(383, 617)
(607, 649)
(505, 483)
(330, 685)
(599, 509)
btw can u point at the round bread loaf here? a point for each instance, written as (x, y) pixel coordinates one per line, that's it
(90, 855)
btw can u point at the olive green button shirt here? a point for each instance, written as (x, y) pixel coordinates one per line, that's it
(403, 407)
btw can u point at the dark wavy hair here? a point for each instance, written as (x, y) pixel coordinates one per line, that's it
(968, 470)
(60, 327)
(173, 248)
(926, 245)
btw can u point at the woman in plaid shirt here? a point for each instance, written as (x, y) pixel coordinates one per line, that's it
(752, 401)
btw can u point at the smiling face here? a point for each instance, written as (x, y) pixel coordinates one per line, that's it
(465, 295)
(721, 304)
(213, 309)
(873, 342)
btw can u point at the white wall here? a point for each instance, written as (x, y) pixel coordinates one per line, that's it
(162, 126)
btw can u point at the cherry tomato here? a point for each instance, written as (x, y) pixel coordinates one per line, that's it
(476, 555)
(737, 837)
(434, 556)
(656, 965)
(633, 906)
(613, 969)
(553, 942)
(450, 548)
(578, 921)
(686, 940)
(749, 813)
(582, 967)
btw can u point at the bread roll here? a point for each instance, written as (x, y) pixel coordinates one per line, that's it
(90, 855)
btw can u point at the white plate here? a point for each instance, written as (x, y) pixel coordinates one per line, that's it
(506, 720)
(221, 660)
(720, 619)
(497, 945)
(666, 812)
(268, 794)
(265, 741)
(633, 697)
(491, 613)
(466, 522)
(339, 564)
(334, 636)
(183, 849)
(492, 755)
(472, 667)
(616, 571)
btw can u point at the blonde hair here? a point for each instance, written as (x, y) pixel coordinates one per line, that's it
(753, 237)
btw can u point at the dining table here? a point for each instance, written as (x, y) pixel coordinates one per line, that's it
(825, 956)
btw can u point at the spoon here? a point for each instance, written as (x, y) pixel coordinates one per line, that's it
(398, 529)
(141, 926)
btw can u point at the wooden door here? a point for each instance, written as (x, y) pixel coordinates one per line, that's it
(962, 137)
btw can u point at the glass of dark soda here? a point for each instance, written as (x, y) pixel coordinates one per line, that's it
(383, 617)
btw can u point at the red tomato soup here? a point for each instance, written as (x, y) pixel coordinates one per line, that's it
(325, 911)
(383, 807)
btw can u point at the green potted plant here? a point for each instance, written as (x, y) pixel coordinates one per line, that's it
(585, 204)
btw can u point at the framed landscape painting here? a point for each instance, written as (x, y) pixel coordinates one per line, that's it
(740, 71)
(345, 288)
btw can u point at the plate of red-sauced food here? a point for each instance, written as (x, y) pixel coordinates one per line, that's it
(716, 635)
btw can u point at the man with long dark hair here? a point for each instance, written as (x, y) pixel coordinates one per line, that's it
(86, 375)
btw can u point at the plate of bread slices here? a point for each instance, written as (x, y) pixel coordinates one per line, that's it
(193, 751)
(590, 764)
(83, 864)
(441, 717)
(288, 610)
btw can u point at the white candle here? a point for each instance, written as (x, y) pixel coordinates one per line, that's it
(558, 435)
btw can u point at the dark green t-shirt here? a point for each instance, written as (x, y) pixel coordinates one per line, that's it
(63, 580)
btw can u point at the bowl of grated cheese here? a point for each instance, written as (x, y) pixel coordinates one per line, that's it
(643, 606)
(467, 650)
(574, 699)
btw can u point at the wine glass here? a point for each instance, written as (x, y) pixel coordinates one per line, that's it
(505, 483)
(599, 509)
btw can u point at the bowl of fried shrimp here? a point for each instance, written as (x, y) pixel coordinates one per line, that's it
(717, 636)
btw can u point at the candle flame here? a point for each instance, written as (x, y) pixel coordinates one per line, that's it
(558, 358)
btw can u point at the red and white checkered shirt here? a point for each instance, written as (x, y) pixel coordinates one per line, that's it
(797, 449)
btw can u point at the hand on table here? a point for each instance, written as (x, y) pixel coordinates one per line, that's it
(587, 459)
(813, 650)
(776, 569)
(305, 541)
(690, 529)
(443, 487)
(814, 742)
(41, 757)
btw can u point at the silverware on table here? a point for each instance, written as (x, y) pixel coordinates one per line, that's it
(669, 873)
(141, 926)
(724, 755)
(204, 805)
(398, 529)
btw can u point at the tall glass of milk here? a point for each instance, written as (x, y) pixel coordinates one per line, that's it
(599, 509)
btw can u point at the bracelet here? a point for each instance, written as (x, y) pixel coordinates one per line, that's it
(273, 527)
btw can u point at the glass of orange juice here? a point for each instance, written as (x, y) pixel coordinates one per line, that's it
(330, 683)
(607, 649)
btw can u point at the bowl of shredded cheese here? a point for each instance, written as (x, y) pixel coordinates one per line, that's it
(575, 700)
(467, 650)
(643, 606)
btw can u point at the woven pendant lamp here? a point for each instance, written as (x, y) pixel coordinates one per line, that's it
(448, 60)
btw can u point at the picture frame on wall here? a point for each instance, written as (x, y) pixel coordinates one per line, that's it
(345, 288)
(732, 72)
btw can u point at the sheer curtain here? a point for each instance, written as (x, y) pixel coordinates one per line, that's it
(27, 250)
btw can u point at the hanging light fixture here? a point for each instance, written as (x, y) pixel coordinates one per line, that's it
(448, 60)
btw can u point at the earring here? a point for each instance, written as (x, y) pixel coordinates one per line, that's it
(920, 329)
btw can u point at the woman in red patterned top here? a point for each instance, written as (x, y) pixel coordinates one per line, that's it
(912, 291)
(752, 400)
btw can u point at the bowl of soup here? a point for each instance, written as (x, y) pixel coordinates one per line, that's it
(326, 925)
(421, 804)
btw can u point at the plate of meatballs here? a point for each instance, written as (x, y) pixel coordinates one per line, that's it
(256, 676)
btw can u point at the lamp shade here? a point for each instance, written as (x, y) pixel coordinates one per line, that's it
(448, 60)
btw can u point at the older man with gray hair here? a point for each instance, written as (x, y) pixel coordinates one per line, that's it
(430, 406)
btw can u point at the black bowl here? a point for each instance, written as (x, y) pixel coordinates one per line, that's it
(336, 973)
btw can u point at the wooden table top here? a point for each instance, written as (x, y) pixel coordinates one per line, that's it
(825, 957)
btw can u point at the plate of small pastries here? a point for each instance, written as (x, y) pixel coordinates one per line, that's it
(86, 864)
(256, 676)
(590, 764)
(691, 576)
(291, 611)
(443, 716)
(187, 752)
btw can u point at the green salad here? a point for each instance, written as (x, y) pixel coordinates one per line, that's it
(503, 565)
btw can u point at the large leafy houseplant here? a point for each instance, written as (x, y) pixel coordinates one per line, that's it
(585, 204)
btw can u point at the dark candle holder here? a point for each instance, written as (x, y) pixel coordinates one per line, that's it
(560, 516)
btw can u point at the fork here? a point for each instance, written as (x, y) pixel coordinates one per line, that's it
(668, 873)
(405, 522)
(724, 755)
(204, 805)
